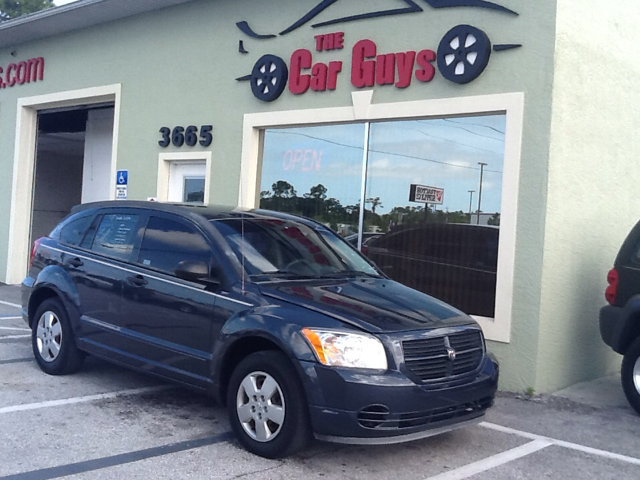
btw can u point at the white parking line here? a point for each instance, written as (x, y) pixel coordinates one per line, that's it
(10, 318)
(15, 305)
(86, 399)
(16, 328)
(493, 461)
(562, 443)
(13, 337)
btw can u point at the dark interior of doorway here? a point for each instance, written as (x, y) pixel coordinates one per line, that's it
(59, 164)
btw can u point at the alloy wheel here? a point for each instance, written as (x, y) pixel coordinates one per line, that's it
(49, 336)
(260, 406)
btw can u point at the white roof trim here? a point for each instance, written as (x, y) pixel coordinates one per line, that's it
(74, 16)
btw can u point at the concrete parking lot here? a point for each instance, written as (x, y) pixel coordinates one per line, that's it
(107, 422)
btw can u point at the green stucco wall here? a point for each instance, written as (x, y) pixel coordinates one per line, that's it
(593, 194)
(177, 67)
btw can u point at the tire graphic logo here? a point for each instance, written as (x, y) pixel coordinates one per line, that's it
(269, 78)
(463, 54)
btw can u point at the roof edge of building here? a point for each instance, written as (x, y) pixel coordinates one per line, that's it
(74, 16)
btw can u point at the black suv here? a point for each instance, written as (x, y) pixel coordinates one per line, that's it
(272, 314)
(620, 320)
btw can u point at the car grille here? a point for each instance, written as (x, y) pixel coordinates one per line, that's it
(429, 358)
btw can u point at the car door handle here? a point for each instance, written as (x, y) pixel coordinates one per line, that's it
(137, 281)
(75, 262)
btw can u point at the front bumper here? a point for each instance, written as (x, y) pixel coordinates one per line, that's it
(359, 407)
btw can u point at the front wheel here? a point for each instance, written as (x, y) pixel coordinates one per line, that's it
(54, 345)
(631, 375)
(267, 407)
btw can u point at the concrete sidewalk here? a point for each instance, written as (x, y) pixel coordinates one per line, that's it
(603, 392)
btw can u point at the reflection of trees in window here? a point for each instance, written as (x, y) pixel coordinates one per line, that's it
(195, 197)
(318, 205)
(375, 202)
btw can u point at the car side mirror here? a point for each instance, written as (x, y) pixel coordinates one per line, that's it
(195, 272)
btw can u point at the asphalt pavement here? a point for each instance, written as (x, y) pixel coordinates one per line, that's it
(108, 422)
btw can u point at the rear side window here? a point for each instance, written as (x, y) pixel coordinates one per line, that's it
(72, 232)
(115, 236)
(167, 242)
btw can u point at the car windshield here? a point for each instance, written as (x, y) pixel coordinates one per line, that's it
(280, 248)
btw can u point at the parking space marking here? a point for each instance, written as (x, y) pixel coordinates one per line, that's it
(19, 329)
(14, 337)
(562, 443)
(8, 304)
(85, 399)
(9, 317)
(115, 460)
(493, 461)
(16, 360)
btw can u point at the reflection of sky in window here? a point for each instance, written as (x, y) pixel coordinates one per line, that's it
(305, 157)
(441, 153)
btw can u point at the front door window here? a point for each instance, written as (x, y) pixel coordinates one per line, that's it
(187, 182)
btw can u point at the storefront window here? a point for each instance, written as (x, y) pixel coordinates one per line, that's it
(315, 172)
(432, 197)
(423, 197)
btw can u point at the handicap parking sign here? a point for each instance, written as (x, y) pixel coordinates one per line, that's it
(122, 178)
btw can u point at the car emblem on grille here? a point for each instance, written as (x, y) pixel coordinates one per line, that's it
(451, 353)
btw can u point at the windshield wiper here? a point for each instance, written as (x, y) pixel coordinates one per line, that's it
(349, 273)
(281, 273)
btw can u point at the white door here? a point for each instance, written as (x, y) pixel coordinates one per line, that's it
(187, 182)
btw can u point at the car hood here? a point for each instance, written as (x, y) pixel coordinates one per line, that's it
(374, 305)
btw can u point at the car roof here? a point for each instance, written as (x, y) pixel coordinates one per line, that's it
(209, 212)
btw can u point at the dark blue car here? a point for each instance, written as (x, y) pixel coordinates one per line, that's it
(274, 315)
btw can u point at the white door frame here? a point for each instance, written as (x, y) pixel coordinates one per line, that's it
(24, 164)
(165, 160)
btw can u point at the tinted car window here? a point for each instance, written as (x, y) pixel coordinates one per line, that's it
(115, 235)
(73, 232)
(166, 243)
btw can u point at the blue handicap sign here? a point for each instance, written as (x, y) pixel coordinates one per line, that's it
(122, 178)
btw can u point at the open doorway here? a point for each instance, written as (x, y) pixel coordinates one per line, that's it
(72, 162)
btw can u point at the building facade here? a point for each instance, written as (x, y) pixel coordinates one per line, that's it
(479, 151)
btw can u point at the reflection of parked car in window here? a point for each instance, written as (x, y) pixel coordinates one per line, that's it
(367, 238)
(620, 320)
(453, 262)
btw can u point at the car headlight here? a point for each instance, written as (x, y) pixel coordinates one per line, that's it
(340, 349)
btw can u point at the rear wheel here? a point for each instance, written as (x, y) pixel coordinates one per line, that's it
(267, 407)
(631, 374)
(52, 339)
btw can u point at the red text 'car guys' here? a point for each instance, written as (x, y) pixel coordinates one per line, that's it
(368, 66)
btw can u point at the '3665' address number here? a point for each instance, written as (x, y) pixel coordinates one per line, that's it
(180, 136)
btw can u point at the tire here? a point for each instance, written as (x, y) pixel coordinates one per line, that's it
(266, 392)
(52, 339)
(630, 374)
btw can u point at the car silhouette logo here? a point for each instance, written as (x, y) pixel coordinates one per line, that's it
(462, 56)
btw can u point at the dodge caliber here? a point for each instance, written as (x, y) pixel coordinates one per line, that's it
(274, 315)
